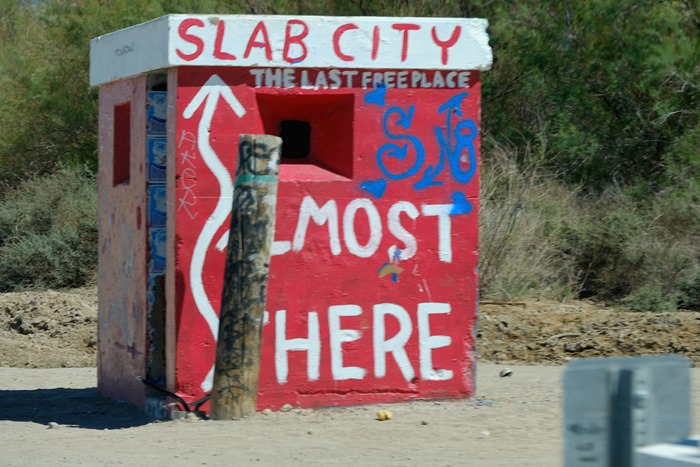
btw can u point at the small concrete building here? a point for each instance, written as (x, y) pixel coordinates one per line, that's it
(373, 284)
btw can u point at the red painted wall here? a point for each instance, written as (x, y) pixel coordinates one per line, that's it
(373, 289)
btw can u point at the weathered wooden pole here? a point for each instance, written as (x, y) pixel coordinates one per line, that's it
(235, 390)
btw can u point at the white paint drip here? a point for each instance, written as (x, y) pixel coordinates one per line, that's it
(427, 289)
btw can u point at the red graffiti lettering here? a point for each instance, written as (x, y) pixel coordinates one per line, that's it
(265, 43)
(405, 28)
(445, 45)
(192, 39)
(297, 39)
(336, 41)
(375, 42)
(218, 53)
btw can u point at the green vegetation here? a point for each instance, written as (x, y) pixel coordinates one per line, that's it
(591, 140)
(48, 231)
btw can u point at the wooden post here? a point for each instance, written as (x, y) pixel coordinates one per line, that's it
(235, 389)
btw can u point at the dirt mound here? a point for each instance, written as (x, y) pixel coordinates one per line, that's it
(58, 329)
(551, 332)
(48, 329)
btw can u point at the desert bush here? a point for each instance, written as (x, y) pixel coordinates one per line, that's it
(48, 231)
(651, 298)
(523, 214)
(689, 291)
(601, 244)
(640, 253)
(539, 237)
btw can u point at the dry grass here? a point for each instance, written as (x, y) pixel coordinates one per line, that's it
(541, 238)
(523, 215)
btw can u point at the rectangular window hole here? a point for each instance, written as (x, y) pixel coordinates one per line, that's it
(121, 168)
(296, 139)
(316, 130)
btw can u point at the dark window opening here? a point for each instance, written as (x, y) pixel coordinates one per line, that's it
(157, 82)
(296, 139)
(316, 130)
(122, 145)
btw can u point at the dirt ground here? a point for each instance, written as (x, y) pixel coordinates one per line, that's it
(52, 414)
(49, 329)
(56, 329)
(555, 333)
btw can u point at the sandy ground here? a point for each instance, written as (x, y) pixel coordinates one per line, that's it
(515, 422)
(56, 417)
(52, 415)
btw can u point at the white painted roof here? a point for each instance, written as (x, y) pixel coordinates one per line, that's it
(291, 41)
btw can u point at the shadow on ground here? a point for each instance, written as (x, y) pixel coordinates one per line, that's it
(80, 408)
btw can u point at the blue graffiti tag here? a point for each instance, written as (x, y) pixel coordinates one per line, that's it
(453, 145)
(391, 150)
(460, 204)
(375, 188)
(455, 141)
(400, 152)
(392, 267)
(376, 96)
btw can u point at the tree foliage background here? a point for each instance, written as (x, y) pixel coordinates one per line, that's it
(591, 136)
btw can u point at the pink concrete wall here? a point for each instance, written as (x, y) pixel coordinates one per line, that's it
(373, 285)
(122, 244)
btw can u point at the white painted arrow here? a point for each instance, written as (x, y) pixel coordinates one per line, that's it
(209, 95)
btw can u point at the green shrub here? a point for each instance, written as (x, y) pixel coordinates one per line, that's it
(602, 89)
(651, 298)
(48, 231)
(689, 292)
(627, 248)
